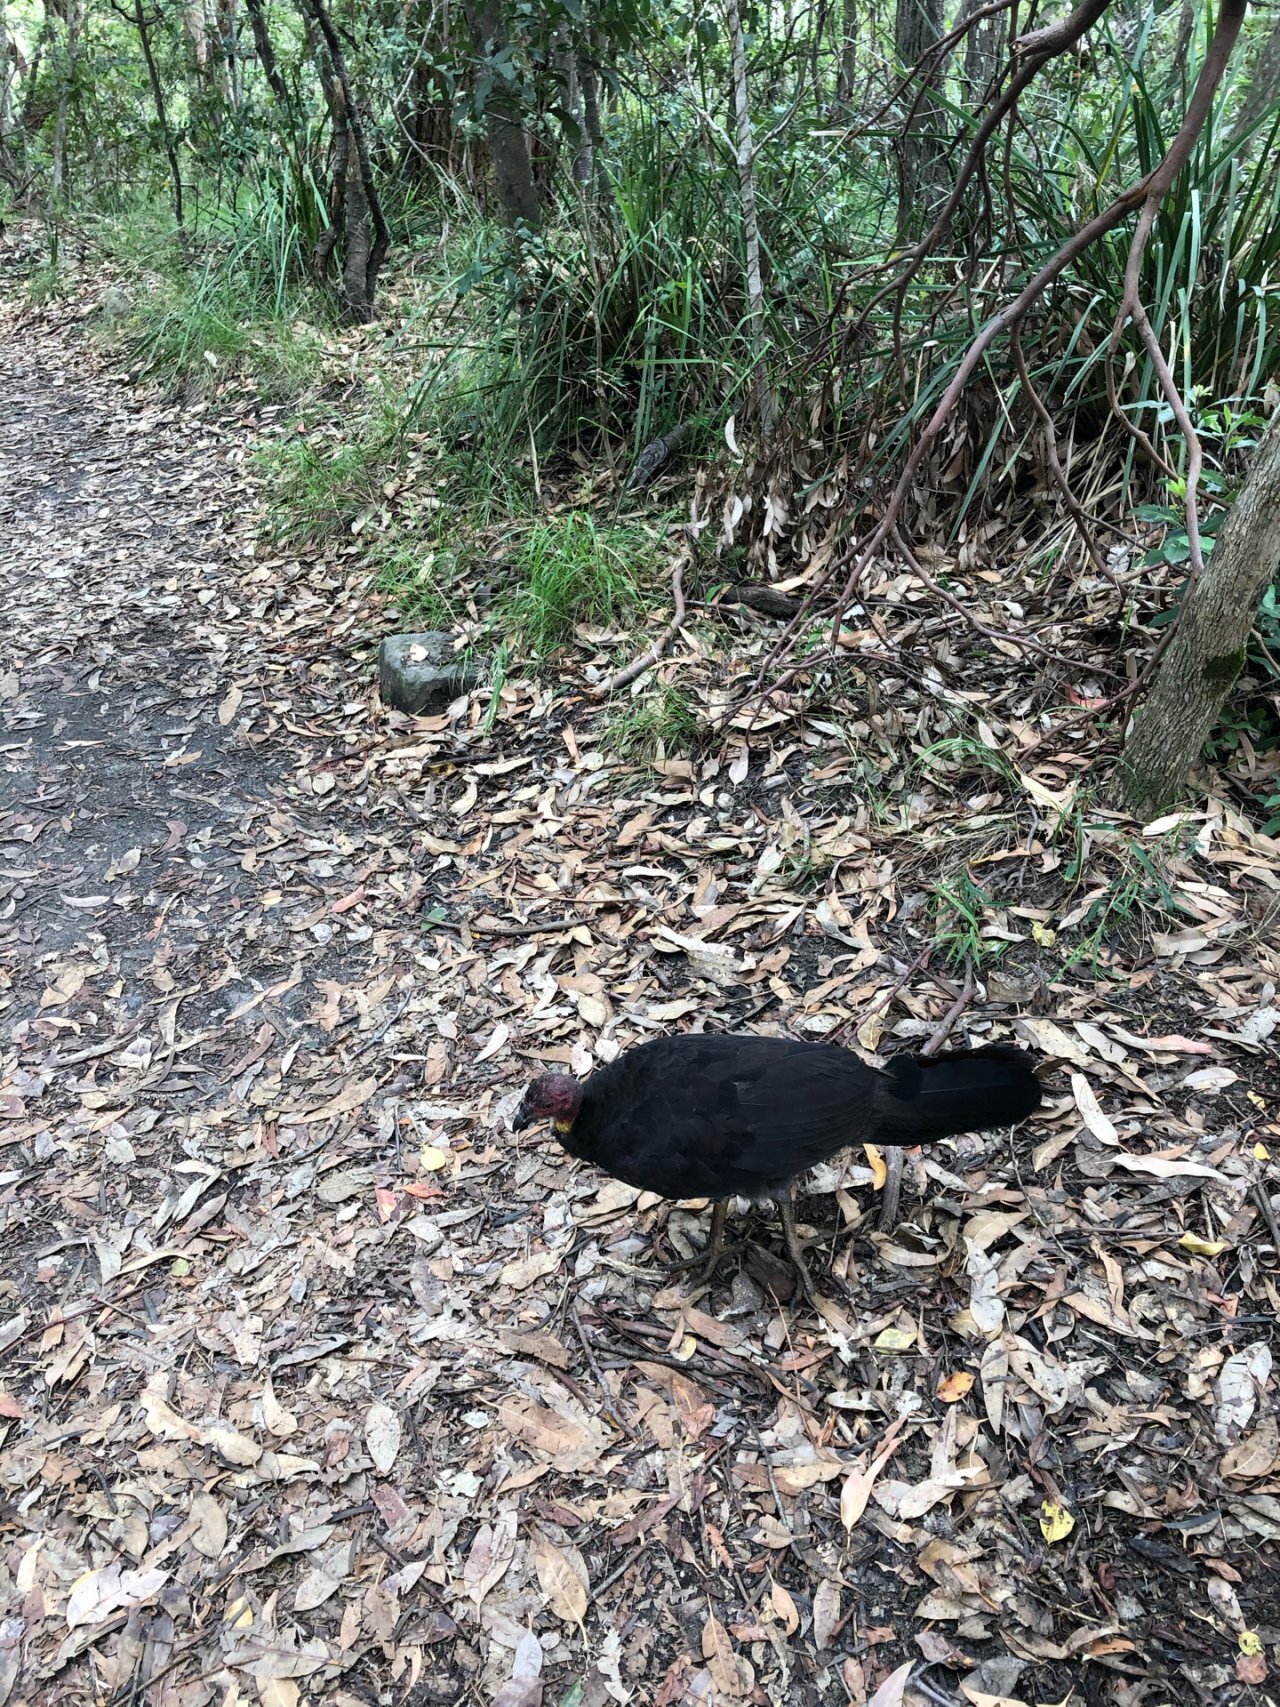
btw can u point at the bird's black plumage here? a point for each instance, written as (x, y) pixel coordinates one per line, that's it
(715, 1115)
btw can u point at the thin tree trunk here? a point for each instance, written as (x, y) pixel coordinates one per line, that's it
(983, 48)
(766, 403)
(366, 237)
(589, 78)
(1264, 83)
(70, 15)
(583, 169)
(848, 54)
(11, 62)
(162, 119)
(31, 93)
(1208, 649)
(921, 144)
(504, 122)
(267, 55)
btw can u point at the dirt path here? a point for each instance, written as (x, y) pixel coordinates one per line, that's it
(317, 1386)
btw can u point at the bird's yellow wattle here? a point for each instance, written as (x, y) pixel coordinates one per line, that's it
(563, 1126)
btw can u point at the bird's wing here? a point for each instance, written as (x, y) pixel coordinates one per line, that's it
(712, 1116)
(801, 1108)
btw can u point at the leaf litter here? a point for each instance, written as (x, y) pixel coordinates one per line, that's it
(318, 1383)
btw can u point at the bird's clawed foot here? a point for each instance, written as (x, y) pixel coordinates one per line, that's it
(795, 1250)
(707, 1260)
(705, 1263)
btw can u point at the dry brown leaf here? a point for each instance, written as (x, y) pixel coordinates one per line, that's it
(524, 1687)
(952, 1388)
(826, 1613)
(784, 1607)
(491, 1554)
(562, 1574)
(97, 1595)
(522, 1272)
(209, 1537)
(1258, 1454)
(382, 1433)
(723, 1662)
(857, 1489)
(892, 1691)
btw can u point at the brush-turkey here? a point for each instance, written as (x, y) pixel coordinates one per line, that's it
(720, 1116)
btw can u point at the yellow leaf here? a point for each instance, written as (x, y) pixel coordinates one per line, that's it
(431, 1160)
(1056, 1522)
(1202, 1247)
(1043, 935)
(1257, 1101)
(875, 1161)
(1250, 1642)
(894, 1339)
(871, 1031)
(239, 1615)
(1261, 1153)
(954, 1386)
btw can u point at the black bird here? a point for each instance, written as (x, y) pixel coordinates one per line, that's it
(720, 1116)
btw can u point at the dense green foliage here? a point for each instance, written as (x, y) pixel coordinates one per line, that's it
(576, 227)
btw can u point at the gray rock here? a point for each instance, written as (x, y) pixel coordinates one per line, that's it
(422, 672)
(114, 304)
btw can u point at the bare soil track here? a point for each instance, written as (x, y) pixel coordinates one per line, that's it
(316, 1385)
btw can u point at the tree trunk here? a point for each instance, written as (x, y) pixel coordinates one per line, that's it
(366, 237)
(983, 51)
(504, 121)
(589, 59)
(162, 117)
(1206, 653)
(766, 403)
(848, 55)
(1264, 82)
(922, 167)
(69, 13)
(267, 56)
(11, 61)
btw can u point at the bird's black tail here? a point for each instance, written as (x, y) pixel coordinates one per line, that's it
(968, 1090)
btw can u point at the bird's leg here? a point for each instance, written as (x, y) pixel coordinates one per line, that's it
(787, 1210)
(708, 1258)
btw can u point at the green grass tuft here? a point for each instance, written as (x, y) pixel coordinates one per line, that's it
(652, 727)
(569, 572)
(958, 906)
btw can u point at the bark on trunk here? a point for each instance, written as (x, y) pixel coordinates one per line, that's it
(267, 55)
(766, 404)
(162, 117)
(1264, 84)
(366, 237)
(983, 52)
(10, 61)
(1206, 653)
(70, 16)
(848, 54)
(921, 145)
(504, 122)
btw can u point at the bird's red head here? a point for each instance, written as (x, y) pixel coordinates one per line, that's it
(553, 1097)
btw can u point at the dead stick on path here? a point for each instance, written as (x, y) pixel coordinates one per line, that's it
(648, 659)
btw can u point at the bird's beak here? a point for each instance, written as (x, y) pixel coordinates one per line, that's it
(520, 1119)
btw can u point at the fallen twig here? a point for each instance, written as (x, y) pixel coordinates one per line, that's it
(648, 659)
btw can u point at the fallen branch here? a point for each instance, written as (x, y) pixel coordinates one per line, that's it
(648, 659)
(1146, 195)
